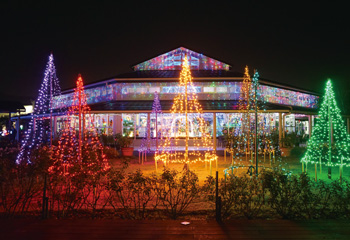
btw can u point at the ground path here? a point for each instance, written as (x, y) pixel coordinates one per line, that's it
(171, 229)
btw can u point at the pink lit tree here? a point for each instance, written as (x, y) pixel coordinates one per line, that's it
(79, 146)
(79, 166)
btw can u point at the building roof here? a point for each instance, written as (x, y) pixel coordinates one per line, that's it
(172, 60)
(167, 67)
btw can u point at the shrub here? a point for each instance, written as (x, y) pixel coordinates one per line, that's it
(135, 194)
(111, 153)
(176, 191)
(243, 196)
(339, 200)
(284, 193)
(298, 152)
(240, 196)
(21, 185)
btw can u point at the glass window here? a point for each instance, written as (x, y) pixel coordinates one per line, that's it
(104, 123)
(141, 125)
(176, 124)
(128, 124)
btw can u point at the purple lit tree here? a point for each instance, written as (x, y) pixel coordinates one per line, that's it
(40, 126)
(152, 140)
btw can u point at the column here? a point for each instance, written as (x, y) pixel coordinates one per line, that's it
(9, 123)
(348, 124)
(54, 127)
(135, 124)
(118, 124)
(284, 125)
(280, 128)
(214, 131)
(149, 130)
(310, 125)
(18, 127)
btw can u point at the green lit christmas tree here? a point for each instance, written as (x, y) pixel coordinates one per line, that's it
(329, 144)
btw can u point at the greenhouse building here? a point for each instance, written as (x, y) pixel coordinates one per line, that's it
(122, 104)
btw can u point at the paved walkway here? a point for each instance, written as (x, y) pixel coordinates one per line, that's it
(156, 229)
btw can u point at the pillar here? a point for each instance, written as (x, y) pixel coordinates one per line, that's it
(280, 128)
(118, 124)
(310, 125)
(284, 125)
(348, 124)
(9, 123)
(18, 127)
(135, 124)
(214, 131)
(55, 125)
(149, 130)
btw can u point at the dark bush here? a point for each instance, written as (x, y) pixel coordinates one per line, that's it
(176, 191)
(134, 193)
(298, 152)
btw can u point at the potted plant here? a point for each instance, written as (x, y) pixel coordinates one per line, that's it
(107, 140)
(288, 143)
(124, 142)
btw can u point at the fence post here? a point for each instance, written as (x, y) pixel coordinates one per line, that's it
(217, 199)
(45, 200)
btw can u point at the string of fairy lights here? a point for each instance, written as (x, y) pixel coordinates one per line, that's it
(241, 138)
(79, 146)
(329, 144)
(150, 141)
(184, 104)
(79, 143)
(40, 130)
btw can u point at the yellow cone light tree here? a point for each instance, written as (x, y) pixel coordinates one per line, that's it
(178, 146)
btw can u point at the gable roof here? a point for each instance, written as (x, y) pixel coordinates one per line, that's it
(172, 61)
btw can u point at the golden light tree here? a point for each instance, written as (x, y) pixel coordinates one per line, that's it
(187, 114)
(252, 137)
(246, 103)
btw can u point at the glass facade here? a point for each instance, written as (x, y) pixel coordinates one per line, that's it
(134, 125)
(233, 121)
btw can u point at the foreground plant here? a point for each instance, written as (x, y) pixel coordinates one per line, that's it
(176, 191)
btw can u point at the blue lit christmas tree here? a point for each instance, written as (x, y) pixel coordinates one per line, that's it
(329, 144)
(40, 126)
(152, 141)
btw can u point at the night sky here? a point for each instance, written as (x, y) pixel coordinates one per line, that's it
(292, 42)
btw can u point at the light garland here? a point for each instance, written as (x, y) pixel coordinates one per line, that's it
(329, 131)
(241, 138)
(39, 130)
(220, 90)
(79, 149)
(184, 104)
(172, 61)
(148, 141)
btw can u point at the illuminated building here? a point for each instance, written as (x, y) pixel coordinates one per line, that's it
(122, 104)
